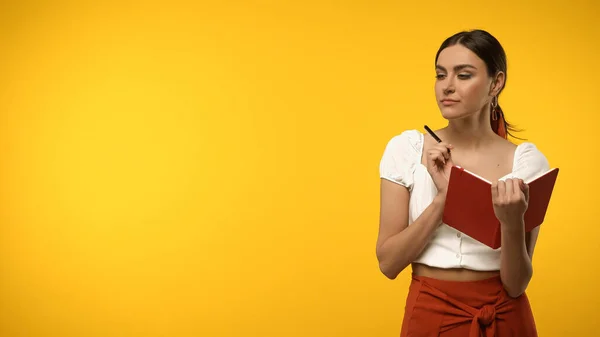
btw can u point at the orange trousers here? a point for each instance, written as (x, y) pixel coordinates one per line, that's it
(466, 309)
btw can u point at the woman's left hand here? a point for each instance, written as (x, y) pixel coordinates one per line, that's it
(510, 199)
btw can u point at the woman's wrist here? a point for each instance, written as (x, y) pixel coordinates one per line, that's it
(440, 200)
(517, 227)
(441, 195)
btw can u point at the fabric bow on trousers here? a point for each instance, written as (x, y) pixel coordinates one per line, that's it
(466, 309)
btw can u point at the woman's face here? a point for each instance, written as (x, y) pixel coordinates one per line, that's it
(463, 87)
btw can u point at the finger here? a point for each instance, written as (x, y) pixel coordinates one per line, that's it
(444, 149)
(495, 191)
(440, 158)
(432, 154)
(437, 157)
(509, 187)
(501, 189)
(439, 149)
(517, 187)
(522, 185)
(444, 145)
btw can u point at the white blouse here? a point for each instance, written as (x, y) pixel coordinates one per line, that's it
(448, 248)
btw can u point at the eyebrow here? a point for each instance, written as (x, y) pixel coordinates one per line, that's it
(456, 68)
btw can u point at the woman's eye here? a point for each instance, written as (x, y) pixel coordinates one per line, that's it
(439, 76)
(464, 76)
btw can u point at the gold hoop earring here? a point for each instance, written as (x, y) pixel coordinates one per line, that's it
(494, 105)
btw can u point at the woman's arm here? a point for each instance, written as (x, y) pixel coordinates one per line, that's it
(510, 204)
(397, 243)
(516, 255)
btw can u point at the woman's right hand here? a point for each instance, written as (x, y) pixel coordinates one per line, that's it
(439, 164)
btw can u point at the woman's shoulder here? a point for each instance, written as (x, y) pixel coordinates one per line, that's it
(530, 160)
(401, 156)
(409, 139)
(529, 152)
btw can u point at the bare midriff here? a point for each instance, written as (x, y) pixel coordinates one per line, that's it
(454, 274)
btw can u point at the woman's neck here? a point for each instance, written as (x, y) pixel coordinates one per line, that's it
(468, 135)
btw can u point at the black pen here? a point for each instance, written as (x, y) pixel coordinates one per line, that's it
(434, 135)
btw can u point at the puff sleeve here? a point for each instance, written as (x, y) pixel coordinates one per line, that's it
(530, 162)
(400, 158)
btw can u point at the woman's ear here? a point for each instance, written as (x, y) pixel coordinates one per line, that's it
(497, 83)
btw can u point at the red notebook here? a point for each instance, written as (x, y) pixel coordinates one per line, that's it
(469, 206)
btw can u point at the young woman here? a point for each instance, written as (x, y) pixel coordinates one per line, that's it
(460, 287)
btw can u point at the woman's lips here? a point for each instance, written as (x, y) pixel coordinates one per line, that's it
(447, 102)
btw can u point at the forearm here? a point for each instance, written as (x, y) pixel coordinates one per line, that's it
(398, 251)
(515, 266)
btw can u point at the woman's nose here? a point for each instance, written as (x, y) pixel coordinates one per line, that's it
(448, 90)
(449, 87)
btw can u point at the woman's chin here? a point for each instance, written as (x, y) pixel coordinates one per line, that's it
(451, 112)
(452, 115)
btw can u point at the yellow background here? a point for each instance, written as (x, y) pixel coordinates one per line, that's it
(211, 169)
